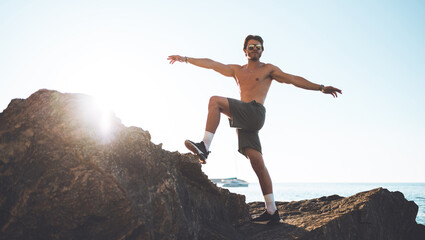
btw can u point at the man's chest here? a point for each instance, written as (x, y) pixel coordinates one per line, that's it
(246, 77)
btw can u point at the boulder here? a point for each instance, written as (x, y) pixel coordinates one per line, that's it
(373, 215)
(63, 177)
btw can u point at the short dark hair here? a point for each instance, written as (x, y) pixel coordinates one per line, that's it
(255, 37)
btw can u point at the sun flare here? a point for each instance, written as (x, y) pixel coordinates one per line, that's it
(105, 116)
(99, 118)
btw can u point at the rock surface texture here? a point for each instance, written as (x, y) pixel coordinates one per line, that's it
(374, 215)
(63, 177)
(70, 171)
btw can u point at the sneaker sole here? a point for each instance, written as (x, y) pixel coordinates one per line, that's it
(270, 222)
(195, 150)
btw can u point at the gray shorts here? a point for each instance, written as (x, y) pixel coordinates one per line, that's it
(248, 119)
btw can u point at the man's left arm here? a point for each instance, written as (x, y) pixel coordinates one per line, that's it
(301, 82)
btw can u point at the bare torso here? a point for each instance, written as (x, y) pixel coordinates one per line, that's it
(253, 84)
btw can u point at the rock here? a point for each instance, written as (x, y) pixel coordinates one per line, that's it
(376, 215)
(63, 176)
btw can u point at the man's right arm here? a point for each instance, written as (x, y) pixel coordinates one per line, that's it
(226, 70)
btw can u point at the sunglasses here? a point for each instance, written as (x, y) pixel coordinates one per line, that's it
(252, 46)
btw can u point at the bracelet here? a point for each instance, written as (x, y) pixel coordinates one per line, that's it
(185, 59)
(321, 88)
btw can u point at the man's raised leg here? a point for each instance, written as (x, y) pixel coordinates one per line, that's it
(216, 106)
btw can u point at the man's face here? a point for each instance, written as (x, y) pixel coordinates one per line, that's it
(253, 50)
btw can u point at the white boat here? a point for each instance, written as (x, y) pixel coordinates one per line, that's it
(236, 183)
(230, 182)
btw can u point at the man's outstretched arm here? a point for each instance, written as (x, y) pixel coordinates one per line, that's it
(301, 82)
(226, 70)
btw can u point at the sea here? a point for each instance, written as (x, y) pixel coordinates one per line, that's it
(286, 192)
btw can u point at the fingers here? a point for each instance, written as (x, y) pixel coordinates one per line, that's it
(333, 91)
(174, 58)
(337, 90)
(171, 60)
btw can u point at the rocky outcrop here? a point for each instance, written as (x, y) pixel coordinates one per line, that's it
(62, 176)
(374, 215)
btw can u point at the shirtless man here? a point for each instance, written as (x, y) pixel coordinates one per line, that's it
(248, 114)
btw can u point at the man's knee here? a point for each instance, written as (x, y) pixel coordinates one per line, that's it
(252, 153)
(214, 102)
(219, 103)
(255, 158)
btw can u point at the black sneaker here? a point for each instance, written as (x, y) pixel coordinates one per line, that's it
(267, 218)
(198, 149)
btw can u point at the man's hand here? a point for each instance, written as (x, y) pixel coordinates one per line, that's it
(331, 90)
(176, 58)
(226, 70)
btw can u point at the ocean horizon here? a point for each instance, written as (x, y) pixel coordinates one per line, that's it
(286, 192)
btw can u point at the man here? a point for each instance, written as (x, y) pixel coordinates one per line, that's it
(248, 114)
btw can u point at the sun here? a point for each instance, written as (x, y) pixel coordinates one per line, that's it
(98, 118)
(105, 118)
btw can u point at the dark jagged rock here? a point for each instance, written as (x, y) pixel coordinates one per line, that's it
(374, 215)
(63, 177)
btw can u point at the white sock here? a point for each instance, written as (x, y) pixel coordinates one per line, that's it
(208, 137)
(270, 204)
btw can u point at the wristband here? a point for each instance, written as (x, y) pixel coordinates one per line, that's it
(321, 87)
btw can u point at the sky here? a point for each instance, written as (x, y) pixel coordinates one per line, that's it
(116, 51)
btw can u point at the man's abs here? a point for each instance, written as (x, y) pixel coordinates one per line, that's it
(257, 93)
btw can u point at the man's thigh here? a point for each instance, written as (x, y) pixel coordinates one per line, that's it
(223, 104)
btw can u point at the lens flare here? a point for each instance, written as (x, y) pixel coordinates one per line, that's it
(105, 117)
(98, 119)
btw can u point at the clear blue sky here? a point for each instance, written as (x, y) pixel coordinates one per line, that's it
(116, 51)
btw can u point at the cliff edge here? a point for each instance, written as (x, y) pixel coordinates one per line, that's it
(64, 176)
